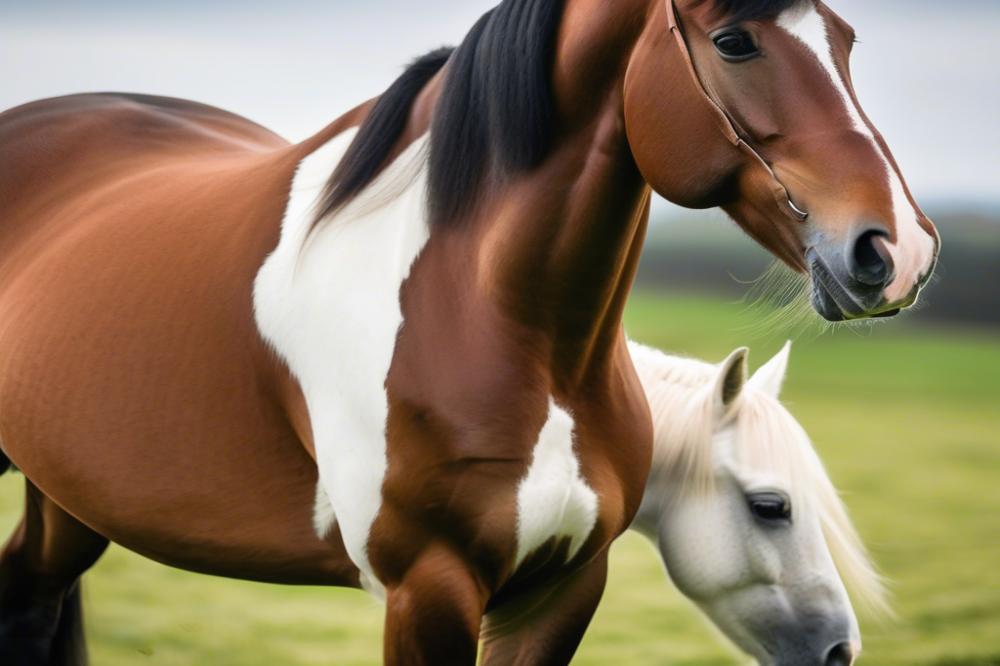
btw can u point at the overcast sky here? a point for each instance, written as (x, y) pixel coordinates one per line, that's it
(926, 70)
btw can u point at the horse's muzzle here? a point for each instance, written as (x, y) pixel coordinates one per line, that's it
(850, 280)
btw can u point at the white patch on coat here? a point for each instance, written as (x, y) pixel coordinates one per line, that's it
(914, 249)
(553, 500)
(324, 517)
(328, 303)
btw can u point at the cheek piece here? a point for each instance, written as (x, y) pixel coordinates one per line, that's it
(728, 127)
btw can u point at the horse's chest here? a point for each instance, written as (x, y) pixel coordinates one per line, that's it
(554, 500)
(585, 481)
(329, 304)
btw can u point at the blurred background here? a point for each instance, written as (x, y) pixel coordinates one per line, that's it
(906, 413)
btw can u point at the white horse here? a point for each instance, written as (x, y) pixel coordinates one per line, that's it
(745, 518)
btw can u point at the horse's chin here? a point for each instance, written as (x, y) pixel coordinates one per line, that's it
(828, 307)
(834, 301)
(825, 305)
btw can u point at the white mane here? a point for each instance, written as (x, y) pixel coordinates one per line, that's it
(681, 398)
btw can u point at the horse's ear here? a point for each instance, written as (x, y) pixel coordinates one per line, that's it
(730, 381)
(770, 377)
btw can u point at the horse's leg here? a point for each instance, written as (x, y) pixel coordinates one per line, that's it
(547, 627)
(433, 616)
(41, 620)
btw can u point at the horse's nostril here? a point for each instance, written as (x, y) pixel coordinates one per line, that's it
(871, 264)
(841, 654)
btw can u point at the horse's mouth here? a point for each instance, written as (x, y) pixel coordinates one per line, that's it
(834, 301)
(830, 298)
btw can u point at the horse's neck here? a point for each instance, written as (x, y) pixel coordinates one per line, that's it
(565, 246)
(563, 241)
(557, 248)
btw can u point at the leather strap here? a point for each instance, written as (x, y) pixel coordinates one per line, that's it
(726, 124)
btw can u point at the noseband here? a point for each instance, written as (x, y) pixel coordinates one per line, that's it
(728, 126)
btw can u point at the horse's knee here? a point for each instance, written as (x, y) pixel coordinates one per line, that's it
(40, 567)
(546, 625)
(434, 614)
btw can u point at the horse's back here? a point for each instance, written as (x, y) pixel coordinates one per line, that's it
(54, 148)
(119, 124)
(129, 174)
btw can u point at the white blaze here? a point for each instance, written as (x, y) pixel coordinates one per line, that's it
(913, 252)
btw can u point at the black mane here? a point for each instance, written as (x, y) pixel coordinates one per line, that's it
(367, 154)
(494, 116)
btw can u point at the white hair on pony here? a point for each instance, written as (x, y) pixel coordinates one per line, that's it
(684, 408)
(681, 402)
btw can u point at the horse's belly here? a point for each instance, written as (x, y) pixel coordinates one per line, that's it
(134, 386)
(194, 471)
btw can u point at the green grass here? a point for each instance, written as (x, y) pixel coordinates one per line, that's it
(907, 420)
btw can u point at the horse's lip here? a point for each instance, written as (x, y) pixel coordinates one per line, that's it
(825, 281)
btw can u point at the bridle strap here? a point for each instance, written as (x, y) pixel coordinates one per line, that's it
(725, 122)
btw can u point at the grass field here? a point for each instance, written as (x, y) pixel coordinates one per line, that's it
(907, 420)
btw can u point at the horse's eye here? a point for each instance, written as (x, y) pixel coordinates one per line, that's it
(735, 45)
(771, 507)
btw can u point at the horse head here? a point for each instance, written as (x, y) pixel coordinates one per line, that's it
(746, 520)
(749, 106)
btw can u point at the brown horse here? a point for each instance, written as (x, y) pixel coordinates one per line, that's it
(420, 307)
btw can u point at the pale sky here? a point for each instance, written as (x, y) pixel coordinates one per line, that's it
(926, 70)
